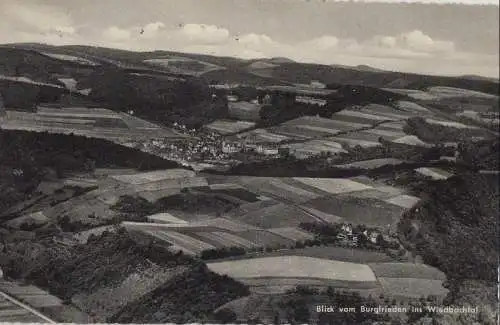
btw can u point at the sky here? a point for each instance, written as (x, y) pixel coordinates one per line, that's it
(439, 38)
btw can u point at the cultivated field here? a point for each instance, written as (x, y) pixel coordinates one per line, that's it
(407, 270)
(221, 239)
(411, 140)
(333, 185)
(292, 233)
(227, 127)
(276, 216)
(371, 212)
(353, 140)
(294, 267)
(264, 238)
(434, 173)
(262, 135)
(401, 288)
(186, 243)
(164, 217)
(326, 217)
(358, 115)
(372, 163)
(452, 124)
(143, 178)
(413, 108)
(404, 201)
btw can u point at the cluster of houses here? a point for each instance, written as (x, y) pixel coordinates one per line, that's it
(347, 236)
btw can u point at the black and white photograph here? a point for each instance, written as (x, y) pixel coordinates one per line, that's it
(326, 162)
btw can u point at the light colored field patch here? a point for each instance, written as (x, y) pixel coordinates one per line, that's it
(70, 83)
(333, 185)
(373, 117)
(70, 58)
(319, 129)
(292, 233)
(435, 173)
(412, 288)
(294, 267)
(36, 219)
(385, 133)
(412, 107)
(355, 142)
(165, 217)
(397, 126)
(164, 184)
(404, 201)
(372, 163)
(445, 92)
(411, 140)
(450, 124)
(147, 177)
(225, 127)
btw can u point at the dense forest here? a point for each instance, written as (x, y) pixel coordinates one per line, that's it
(106, 261)
(454, 213)
(27, 157)
(188, 298)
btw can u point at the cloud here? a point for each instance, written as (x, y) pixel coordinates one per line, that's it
(117, 34)
(151, 30)
(205, 34)
(418, 41)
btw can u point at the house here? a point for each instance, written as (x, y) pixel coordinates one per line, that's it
(347, 228)
(230, 147)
